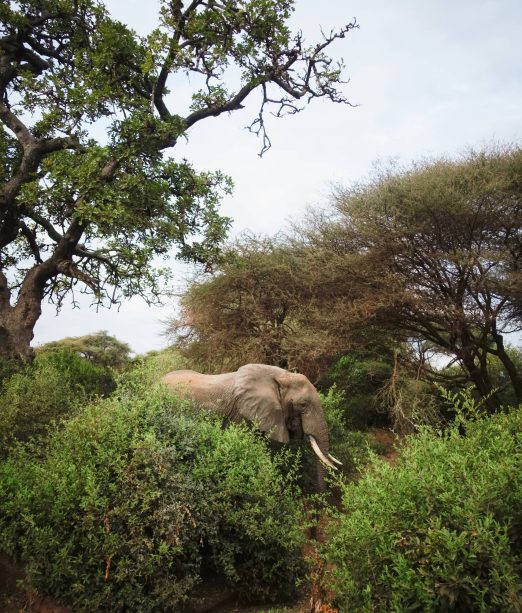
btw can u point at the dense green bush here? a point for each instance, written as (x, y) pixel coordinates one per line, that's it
(137, 499)
(439, 531)
(8, 367)
(151, 367)
(46, 390)
(351, 447)
(360, 378)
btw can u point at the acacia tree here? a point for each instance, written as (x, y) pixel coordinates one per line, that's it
(100, 348)
(268, 301)
(94, 214)
(436, 251)
(247, 311)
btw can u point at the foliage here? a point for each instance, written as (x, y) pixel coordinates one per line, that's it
(380, 388)
(500, 378)
(263, 303)
(433, 252)
(8, 367)
(250, 311)
(77, 212)
(50, 389)
(441, 279)
(150, 368)
(410, 403)
(359, 376)
(101, 349)
(357, 372)
(438, 531)
(138, 498)
(349, 446)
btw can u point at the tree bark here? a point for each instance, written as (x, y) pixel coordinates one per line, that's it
(511, 369)
(482, 382)
(15, 338)
(17, 322)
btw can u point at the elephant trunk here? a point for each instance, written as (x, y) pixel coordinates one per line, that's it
(316, 430)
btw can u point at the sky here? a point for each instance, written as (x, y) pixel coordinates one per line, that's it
(429, 78)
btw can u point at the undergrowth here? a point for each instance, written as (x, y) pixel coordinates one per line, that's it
(137, 499)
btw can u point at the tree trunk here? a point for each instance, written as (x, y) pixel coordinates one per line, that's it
(16, 331)
(17, 322)
(15, 341)
(482, 382)
(511, 369)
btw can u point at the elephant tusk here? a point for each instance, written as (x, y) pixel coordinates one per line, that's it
(319, 453)
(335, 459)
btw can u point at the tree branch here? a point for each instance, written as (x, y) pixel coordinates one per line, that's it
(46, 225)
(16, 125)
(233, 104)
(95, 255)
(69, 269)
(31, 239)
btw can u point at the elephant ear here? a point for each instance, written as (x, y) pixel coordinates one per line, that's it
(257, 399)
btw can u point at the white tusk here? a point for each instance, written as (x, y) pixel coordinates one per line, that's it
(335, 459)
(320, 454)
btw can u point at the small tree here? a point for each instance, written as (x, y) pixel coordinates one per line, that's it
(96, 214)
(250, 310)
(101, 349)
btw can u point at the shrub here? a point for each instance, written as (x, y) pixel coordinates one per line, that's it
(410, 402)
(137, 498)
(151, 367)
(48, 389)
(439, 531)
(351, 448)
(8, 367)
(360, 377)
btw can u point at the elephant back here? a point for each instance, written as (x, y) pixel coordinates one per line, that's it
(209, 392)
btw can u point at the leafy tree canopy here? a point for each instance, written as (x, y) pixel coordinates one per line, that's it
(101, 349)
(261, 304)
(78, 211)
(435, 252)
(244, 313)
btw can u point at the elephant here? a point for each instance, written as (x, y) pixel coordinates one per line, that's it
(283, 404)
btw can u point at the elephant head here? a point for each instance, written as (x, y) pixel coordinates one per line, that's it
(285, 405)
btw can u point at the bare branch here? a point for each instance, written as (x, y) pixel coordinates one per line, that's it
(233, 104)
(47, 225)
(95, 255)
(69, 269)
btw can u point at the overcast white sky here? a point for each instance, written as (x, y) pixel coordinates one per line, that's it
(431, 77)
